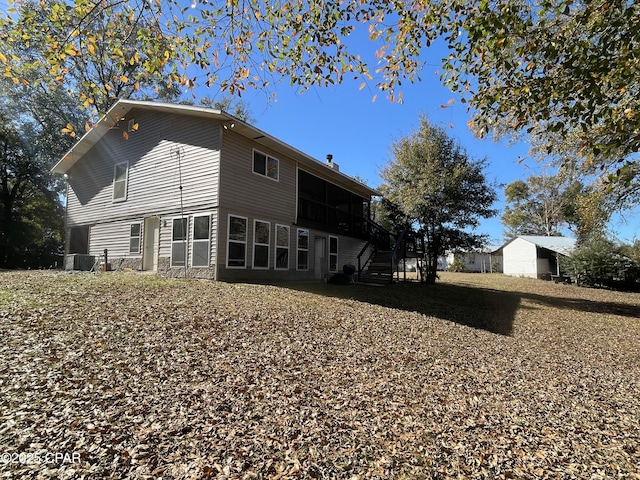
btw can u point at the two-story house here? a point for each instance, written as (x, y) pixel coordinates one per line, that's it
(191, 191)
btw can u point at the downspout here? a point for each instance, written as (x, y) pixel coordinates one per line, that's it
(217, 232)
(66, 221)
(178, 153)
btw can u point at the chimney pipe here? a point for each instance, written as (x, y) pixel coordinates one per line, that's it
(331, 164)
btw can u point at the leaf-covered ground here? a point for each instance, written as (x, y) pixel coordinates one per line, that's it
(480, 376)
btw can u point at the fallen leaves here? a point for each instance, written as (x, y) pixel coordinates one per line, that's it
(147, 378)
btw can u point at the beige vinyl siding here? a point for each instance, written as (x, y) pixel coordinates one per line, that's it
(154, 171)
(213, 183)
(166, 235)
(222, 241)
(348, 249)
(246, 193)
(114, 237)
(215, 221)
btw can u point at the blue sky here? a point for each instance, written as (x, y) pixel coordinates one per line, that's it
(344, 121)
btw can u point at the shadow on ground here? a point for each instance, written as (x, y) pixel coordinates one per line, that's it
(485, 309)
(583, 305)
(476, 307)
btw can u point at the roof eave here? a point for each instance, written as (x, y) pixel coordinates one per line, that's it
(121, 108)
(117, 112)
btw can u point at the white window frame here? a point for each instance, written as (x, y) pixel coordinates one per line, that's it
(196, 241)
(139, 237)
(123, 198)
(278, 247)
(229, 240)
(267, 158)
(183, 241)
(298, 249)
(260, 244)
(333, 254)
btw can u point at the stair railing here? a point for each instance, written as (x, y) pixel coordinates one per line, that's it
(378, 236)
(363, 262)
(399, 248)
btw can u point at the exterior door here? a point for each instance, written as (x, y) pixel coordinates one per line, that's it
(151, 242)
(320, 266)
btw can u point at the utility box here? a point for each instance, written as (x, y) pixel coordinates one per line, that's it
(78, 261)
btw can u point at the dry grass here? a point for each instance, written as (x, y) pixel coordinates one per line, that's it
(479, 376)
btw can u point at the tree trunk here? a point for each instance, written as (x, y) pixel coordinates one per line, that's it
(431, 265)
(5, 226)
(432, 250)
(432, 270)
(4, 241)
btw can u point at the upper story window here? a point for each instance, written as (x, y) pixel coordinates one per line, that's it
(120, 175)
(265, 165)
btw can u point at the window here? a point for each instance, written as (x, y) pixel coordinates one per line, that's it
(282, 247)
(261, 234)
(265, 165)
(179, 242)
(237, 242)
(134, 238)
(333, 254)
(303, 249)
(120, 174)
(201, 241)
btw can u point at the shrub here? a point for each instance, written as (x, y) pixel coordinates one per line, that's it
(457, 265)
(601, 263)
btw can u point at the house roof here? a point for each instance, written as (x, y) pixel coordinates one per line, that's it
(122, 107)
(489, 248)
(561, 245)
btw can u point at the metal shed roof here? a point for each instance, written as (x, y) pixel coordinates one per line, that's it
(561, 245)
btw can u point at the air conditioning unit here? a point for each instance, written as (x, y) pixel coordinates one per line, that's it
(78, 261)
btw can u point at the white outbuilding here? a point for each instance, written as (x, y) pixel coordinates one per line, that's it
(482, 260)
(534, 256)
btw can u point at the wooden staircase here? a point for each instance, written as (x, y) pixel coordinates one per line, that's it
(379, 258)
(379, 269)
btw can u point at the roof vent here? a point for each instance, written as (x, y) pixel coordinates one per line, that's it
(331, 164)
